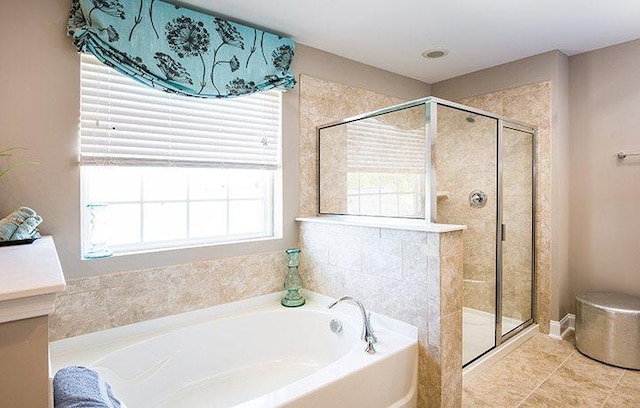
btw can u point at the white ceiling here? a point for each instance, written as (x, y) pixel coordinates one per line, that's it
(478, 33)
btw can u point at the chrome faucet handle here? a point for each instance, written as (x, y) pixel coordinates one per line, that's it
(370, 349)
(369, 330)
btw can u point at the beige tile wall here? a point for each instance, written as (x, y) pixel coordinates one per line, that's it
(517, 248)
(409, 275)
(531, 104)
(333, 175)
(352, 149)
(106, 301)
(466, 160)
(323, 102)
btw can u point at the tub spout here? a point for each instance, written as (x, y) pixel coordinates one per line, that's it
(367, 331)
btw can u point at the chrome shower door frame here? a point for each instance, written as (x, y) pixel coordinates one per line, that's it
(502, 122)
(500, 230)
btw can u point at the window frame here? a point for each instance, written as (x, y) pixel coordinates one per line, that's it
(272, 195)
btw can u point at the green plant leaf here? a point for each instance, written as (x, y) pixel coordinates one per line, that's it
(7, 153)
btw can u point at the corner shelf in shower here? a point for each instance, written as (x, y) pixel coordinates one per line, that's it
(442, 195)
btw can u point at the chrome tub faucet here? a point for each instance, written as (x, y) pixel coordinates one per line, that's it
(367, 331)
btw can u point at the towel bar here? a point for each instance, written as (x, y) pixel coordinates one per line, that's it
(623, 155)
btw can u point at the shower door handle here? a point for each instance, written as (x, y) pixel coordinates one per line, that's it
(503, 232)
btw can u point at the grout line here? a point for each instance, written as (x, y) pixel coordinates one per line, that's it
(613, 389)
(568, 357)
(545, 379)
(526, 398)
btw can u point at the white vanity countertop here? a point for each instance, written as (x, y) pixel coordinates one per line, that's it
(30, 277)
(382, 222)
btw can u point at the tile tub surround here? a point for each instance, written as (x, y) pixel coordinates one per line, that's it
(411, 275)
(106, 301)
(225, 355)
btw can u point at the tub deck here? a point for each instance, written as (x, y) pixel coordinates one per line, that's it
(253, 353)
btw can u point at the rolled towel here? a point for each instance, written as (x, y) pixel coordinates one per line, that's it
(28, 229)
(9, 225)
(81, 387)
(20, 224)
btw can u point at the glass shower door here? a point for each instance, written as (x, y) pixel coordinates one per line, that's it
(517, 252)
(466, 162)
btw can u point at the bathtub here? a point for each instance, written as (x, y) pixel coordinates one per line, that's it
(250, 354)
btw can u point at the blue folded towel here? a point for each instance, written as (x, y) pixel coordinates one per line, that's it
(20, 224)
(81, 387)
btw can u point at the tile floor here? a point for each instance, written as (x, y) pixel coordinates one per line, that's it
(544, 372)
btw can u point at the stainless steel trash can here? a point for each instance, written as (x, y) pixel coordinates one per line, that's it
(608, 328)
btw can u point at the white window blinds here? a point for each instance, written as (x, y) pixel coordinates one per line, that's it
(126, 123)
(377, 147)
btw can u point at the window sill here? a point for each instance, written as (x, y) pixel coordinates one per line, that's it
(117, 253)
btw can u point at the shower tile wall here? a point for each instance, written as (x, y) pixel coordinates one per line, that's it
(517, 211)
(334, 197)
(102, 302)
(347, 150)
(323, 102)
(466, 160)
(531, 104)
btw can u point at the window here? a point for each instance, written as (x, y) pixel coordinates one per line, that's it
(386, 166)
(164, 171)
(391, 194)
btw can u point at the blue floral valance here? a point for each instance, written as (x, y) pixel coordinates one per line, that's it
(180, 50)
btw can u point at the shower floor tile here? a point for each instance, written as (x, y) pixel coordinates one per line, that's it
(544, 372)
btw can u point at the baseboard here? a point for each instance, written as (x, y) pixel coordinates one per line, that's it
(558, 330)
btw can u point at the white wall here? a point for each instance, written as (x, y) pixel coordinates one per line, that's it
(605, 192)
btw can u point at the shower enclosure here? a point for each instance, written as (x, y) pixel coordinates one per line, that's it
(447, 163)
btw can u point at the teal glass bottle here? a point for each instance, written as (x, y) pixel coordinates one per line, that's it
(293, 281)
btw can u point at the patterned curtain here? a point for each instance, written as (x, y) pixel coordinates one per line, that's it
(180, 50)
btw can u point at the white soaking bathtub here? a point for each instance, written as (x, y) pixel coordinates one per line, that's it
(251, 354)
